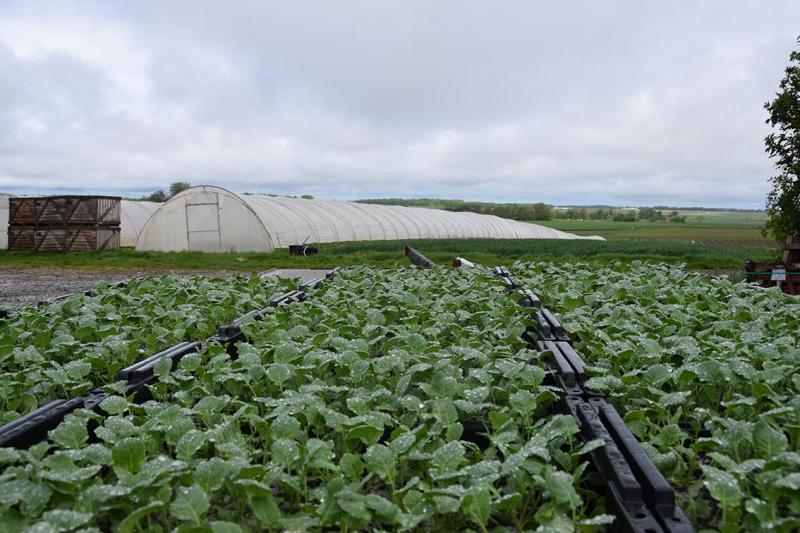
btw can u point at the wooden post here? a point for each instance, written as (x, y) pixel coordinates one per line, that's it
(791, 250)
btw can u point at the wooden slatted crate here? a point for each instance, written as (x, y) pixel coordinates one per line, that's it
(46, 210)
(63, 238)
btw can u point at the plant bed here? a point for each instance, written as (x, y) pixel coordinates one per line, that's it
(292, 434)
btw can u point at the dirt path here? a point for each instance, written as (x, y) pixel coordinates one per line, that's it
(27, 286)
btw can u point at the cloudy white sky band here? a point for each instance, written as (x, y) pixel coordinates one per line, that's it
(592, 102)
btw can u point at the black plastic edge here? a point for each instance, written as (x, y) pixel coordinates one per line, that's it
(658, 493)
(233, 328)
(310, 284)
(645, 501)
(542, 327)
(33, 427)
(555, 325)
(144, 369)
(285, 298)
(529, 299)
(575, 360)
(623, 487)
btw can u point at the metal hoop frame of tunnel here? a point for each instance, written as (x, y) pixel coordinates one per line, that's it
(212, 219)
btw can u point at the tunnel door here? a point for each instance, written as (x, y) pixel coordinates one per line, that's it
(202, 226)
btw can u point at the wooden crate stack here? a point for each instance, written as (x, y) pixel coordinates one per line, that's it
(785, 275)
(64, 223)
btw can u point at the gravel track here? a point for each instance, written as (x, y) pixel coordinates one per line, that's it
(29, 285)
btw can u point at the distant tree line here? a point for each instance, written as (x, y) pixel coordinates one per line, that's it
(161, 196)
(537, 211)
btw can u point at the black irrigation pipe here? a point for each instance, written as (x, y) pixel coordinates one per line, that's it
(644, 499)
(33, 427)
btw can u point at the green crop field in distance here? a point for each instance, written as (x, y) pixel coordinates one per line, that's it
(715, 228)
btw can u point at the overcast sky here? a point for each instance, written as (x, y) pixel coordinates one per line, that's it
(631, 103)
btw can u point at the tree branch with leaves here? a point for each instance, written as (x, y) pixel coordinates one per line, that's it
(783, 146)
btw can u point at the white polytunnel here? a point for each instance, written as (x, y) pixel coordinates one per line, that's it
(212, 219)
(133, 216)
(4, 219)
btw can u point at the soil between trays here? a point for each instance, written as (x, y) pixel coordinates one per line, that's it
(28, 286)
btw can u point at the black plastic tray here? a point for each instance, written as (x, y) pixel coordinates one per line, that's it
(144, 369)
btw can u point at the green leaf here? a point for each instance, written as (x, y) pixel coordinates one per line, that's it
(114, 405)
(70, 434)
(761, 509)
(163, 367)
(445, 411)
(722, 486)
(9, 455)
(352, 466)
(478, 504)
(768, 441)
(65, 520)
(254, 487)
(285, 452)
(190, 504)
(448, 457)
(498, 419)
(36, 499)
(382, 507)
(381, 461)
(220, 526)
(523, 402)
(129, 454)
(562, 488)
(354, 505)
(189, 443)
(365, 433)
(286, 353)
(591, 445)
(791, 481)
(130, 522)
(13, 491)
(279, 373)
(210, 475)
(266, 510)
(599, 520)
(402, 443)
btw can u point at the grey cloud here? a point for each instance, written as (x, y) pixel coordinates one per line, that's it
(610, 102)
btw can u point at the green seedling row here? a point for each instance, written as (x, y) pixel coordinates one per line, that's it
(407, 400)
(706, 373)
(64, 348)
(393, 400)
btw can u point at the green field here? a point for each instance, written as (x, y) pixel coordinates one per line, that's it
(390, 253)
(716, 228)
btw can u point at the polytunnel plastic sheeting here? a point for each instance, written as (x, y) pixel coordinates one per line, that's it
(212, 219)
(285, 225)
(381, 226)
(367, 228)
(133, 216)
(4, 220)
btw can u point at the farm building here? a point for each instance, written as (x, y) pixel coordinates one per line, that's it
(212, 219)
(133, 216)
